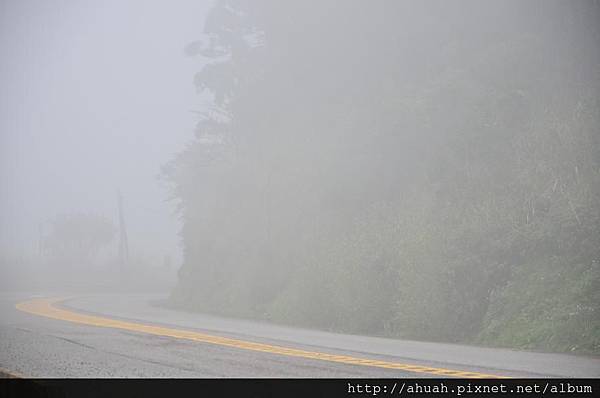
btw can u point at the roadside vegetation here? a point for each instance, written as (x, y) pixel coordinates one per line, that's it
(419, 170)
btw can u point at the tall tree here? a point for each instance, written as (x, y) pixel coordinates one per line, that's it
(397, 167)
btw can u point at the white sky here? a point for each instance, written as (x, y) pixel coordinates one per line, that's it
(95, 95)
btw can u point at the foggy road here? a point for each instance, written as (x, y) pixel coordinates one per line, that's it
(115, 335)
(346, 187)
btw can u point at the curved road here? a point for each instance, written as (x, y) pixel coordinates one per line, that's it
(117, 335)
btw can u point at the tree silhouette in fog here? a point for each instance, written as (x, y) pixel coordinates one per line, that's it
(75, 240)
(416, 169)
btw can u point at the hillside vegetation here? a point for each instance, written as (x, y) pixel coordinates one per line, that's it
(424, 170)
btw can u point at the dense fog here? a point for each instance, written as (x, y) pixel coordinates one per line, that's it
(410, 169)
(96, 97)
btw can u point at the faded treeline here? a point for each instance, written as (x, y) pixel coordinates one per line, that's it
(423, 170)
(79, 252)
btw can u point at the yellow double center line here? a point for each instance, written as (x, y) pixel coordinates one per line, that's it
(45, 307)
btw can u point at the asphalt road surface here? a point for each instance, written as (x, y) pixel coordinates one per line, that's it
(117, 335)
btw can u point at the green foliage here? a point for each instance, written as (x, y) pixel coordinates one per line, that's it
(548, 305)
(352, 180)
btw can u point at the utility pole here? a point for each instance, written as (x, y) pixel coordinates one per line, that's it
(123, 244)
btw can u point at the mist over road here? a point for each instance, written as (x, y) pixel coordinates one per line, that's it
(419, 170)
(38, 346)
